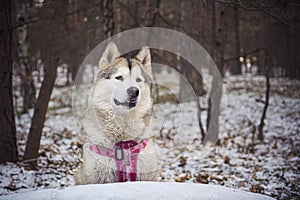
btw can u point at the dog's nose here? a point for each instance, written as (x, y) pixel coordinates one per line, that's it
(133, 91)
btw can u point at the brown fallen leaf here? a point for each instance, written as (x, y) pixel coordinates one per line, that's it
(217, 177)
(227, 160)
(180, 179)
(201, 178)
(257, 188)
(182, 161)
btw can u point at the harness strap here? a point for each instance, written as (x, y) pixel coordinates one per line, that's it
(125, 154)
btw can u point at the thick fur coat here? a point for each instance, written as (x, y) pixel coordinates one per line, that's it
(113, 116)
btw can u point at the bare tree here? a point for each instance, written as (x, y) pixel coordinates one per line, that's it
(52, 20)
(267, 72)
(284, 13)
(261, 125)
(8, 147)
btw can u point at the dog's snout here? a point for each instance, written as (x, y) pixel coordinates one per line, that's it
(133, 91)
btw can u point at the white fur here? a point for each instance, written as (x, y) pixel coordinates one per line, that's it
(109, 55)
(106, 123)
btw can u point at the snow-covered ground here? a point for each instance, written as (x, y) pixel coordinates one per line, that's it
(270, 167)
(140, 190)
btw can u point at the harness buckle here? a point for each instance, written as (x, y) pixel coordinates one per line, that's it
(119, 154)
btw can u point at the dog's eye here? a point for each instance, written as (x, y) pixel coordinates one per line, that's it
(138, 80)
(120, 78)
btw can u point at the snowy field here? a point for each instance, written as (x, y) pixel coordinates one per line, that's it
(239, 162)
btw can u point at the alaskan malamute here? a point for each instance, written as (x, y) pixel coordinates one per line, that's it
(117, 122)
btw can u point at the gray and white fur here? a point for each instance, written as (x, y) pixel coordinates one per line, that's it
(119, 109)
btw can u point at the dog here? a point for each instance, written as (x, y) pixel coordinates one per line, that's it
(118, 120)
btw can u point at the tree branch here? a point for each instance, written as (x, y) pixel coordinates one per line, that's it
(26, 23)
(84, 9)
(244, 54)
(137, 22)
(263, 116)
(258, 6)
(166, 21)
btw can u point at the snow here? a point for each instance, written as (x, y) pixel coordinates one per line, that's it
(270, 167)
(140, 190)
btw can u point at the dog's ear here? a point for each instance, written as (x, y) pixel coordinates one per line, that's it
(144, 57)
(109, 55)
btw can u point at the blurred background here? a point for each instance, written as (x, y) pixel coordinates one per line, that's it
(255, 45)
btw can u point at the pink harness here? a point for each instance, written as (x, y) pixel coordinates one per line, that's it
(125, 153)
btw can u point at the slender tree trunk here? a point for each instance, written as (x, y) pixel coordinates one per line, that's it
(134, 7)
(108, 18)
(190, 20)
(38, 119)
(261, 125)
(219, 36)
(51, 62)
(292, 65)
(8, 146)
(152, 12)
(79, 29)
(267, 73)
(218, 56)
(235, 64)
(261, 62)
(189, 13)
(25, 69)
(150, 21)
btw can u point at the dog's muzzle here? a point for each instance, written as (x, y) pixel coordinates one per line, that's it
(130, 103)
(133, 93)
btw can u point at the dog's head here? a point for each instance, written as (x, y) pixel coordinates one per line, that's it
(122, 82)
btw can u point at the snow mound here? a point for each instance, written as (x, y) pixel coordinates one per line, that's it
(139, 190)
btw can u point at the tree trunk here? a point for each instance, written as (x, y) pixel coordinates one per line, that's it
(267, 73)
(152, 11)
(292, 65)
(51, 63)
(261, 43)
(8, 146)
(218, 57)
(38, 119)
(25, 69)
(219, 36)
(134, 8)
(235, 64)
(190, 21)
(261, 125)
(79, 29)
(108, 18)
(189, 13)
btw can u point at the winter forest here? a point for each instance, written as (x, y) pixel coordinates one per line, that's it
(45, 47)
